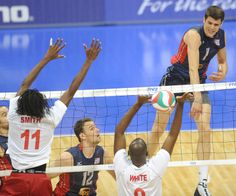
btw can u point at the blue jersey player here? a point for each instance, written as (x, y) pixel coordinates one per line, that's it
(87, 152)
(189, 66)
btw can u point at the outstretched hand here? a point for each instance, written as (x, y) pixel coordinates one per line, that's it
(93, 51)
(184, 97)
(54, 49)
(142, 99)
(217, 76)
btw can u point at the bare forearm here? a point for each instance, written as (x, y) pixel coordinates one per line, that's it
(224, 68)
(194, 79)
(32, 75)
(175, 129)
(68, 95)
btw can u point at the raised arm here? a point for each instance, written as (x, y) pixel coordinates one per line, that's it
(91, 55)
(119, 140)
(193, 41)
(52, 53)
(176, 124)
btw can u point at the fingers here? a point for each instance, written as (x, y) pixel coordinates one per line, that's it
(85, 47)
(216, 76)
(196, 110)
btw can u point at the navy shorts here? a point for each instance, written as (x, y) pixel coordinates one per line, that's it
(175, 77)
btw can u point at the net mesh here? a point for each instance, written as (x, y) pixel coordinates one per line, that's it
(107, 106)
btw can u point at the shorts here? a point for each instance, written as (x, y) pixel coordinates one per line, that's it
(174, 77)
(26, 184)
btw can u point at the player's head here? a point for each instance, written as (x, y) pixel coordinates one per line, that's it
(213, 19)
(3, 117)
(138, 151)
(32, 103)
(87, 131)
(215, 12)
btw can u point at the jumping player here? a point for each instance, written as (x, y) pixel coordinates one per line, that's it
(139, 176)
(31, 127)
(189, 66)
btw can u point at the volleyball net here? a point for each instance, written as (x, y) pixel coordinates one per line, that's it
(107, 106)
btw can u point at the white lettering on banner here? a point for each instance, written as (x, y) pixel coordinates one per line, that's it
(154, 6)
(15, 14)
(183, 5)
(225, 4)
(14, 41)
(190, 5)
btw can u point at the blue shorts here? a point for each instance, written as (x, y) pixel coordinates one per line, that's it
(174, 76)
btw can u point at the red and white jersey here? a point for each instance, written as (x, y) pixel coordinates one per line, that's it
(30, 139)
(140, 181)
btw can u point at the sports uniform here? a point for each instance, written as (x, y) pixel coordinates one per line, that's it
(29, 147)
(178, 72)
(145, 180)
(80, 183)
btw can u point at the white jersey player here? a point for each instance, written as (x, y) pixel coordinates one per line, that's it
(30, 138)
(137, 176)
(31, 127)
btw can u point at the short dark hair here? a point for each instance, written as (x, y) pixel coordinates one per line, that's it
(79, 127)
(32, 103)
(215, 12)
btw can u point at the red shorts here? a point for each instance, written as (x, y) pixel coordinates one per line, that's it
(26, 184)
(4, 165)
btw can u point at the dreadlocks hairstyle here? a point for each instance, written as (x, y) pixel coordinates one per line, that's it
(32, 103)
(215, 12)
(79, 127)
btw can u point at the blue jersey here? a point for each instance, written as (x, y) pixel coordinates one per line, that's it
(80, 183)
(207, 50)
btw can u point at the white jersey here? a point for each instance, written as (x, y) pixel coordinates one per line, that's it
(140, 181)
(30, 139)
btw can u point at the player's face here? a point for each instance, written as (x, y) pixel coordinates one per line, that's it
(91, 133)
(3, 115)
(211, 26)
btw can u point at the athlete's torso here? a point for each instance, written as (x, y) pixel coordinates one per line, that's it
(207, 50)
(81, 183)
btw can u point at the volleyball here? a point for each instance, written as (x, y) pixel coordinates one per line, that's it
(163, 100)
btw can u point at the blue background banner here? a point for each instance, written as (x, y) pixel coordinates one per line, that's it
(22, 13)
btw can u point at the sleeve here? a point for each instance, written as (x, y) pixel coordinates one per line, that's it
(57, 112)
(159, 162)
(12, 107)
(120, 161)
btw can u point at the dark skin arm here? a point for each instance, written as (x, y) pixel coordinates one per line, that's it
(119, 140)
(176, 124)
(91, 55)
(52, 53)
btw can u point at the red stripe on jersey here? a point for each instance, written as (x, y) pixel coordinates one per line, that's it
(181, 55)
(204, 73)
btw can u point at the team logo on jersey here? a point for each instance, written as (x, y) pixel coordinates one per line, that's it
(217, 42)
(79, 163)
(97, 160)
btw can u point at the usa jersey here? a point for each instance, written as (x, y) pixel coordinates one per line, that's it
(207, 50)
(145, 180)
(80, 183)
(30, 139)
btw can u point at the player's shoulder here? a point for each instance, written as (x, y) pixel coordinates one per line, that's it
(99, 149)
